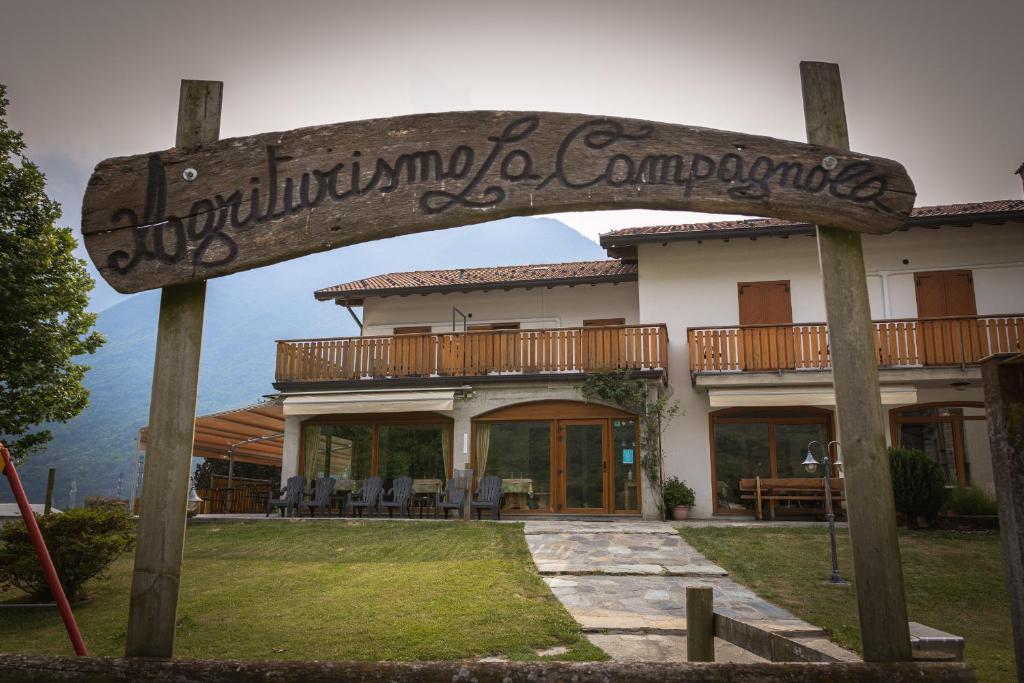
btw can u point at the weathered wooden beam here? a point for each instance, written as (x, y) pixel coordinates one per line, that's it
(188, 214)
(1003, 380)
(878, 574)
(154, 598)
(765, 644)
(39, 669)
(700, 624)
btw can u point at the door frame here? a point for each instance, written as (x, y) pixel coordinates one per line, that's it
(556, 412)
(562, 465)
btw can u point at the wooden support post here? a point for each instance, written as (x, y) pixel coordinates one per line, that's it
(172, 411)
(700, 624)
(51, 477)
(1003, 380)
(878, 573)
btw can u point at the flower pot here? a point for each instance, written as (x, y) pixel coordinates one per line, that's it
(680, 512)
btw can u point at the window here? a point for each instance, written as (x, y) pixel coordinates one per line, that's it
(604, 322)
(412, 329)
(766, 443)
(416, 445)
(945, 293)
(953, 435)
(495, 326)
(520, 453)
(765, 303)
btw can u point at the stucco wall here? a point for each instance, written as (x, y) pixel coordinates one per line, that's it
(686, 284)
(533, 308)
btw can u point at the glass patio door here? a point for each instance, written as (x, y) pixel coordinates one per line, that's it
(583, 466)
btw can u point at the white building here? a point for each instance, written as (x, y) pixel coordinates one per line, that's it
(484, 366)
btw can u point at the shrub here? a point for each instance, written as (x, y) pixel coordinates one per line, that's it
(677, 493)
(971, 501)
(82, 542)
(917, 483)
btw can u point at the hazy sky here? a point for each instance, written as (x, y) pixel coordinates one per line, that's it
(935, 85)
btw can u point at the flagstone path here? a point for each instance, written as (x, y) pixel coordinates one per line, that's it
(625, 584)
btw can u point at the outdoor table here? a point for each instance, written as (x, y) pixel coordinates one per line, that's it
(517, 492)
(424, 493)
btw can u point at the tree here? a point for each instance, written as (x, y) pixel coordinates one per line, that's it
(44, 291)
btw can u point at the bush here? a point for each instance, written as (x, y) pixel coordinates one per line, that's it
(918, 484)
(677, 493)
(971, 501)
(82, 543)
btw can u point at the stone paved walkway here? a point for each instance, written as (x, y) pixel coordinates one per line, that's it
(625, 584)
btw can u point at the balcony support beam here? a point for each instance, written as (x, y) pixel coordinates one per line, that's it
(881, 602)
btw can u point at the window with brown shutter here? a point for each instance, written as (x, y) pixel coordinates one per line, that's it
(945, 293)
(495, 326)
(412, 329)
(604, 322)
(765, 303)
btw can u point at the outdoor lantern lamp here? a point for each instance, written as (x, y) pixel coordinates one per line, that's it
(811, 465)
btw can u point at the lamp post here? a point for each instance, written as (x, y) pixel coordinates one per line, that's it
(811, 465)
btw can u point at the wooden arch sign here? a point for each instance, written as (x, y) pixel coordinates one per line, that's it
(176, 216)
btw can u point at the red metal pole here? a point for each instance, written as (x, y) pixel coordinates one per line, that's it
(44, 555)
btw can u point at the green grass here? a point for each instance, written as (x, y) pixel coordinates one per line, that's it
(954, 582)
(367, 591)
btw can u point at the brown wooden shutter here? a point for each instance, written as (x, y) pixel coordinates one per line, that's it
(494, 326)
(945, 293)
(765, 303)
(604, 322)
(412, 329)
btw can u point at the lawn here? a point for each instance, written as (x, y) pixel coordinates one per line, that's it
(333, 590)
(954, 582)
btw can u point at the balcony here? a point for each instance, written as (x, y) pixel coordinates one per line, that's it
(474, 354)
(907, 343)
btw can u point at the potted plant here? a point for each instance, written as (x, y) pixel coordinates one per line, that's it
(679, 497)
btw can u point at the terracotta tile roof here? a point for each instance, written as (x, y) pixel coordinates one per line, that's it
(921, 215)
(466, 279)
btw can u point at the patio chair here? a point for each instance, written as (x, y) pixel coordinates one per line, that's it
(288, 499)
(488, 497)
(400, 493)
(452, 498)
(322, 490)
(367, 498)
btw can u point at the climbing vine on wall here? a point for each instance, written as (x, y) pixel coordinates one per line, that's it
(633, 394)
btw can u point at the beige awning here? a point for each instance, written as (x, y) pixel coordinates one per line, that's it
(369, 402)
(758, 397)
(218, 432)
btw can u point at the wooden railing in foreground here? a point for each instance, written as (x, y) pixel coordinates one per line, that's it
(463, 354)
(910, 342)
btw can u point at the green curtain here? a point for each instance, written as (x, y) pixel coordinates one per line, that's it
(483, 447)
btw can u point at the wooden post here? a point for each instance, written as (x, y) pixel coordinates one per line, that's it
(700, 624)
(1003, 380)
(172, 411)
(878, 574)
(51, 477)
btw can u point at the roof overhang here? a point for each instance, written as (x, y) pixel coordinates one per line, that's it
(347, 402)
(759, 397)
(218, 433)
(618, 241)
(356, 297)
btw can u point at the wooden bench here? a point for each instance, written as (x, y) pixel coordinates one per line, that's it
(791, 489)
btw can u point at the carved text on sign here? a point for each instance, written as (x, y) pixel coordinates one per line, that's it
(227, 218)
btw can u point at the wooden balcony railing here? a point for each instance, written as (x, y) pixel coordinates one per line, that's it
(900, 343)
(464, 354)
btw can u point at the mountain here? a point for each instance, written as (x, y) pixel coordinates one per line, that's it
(245, 313)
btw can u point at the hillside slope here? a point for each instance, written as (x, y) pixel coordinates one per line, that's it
(245, 313)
